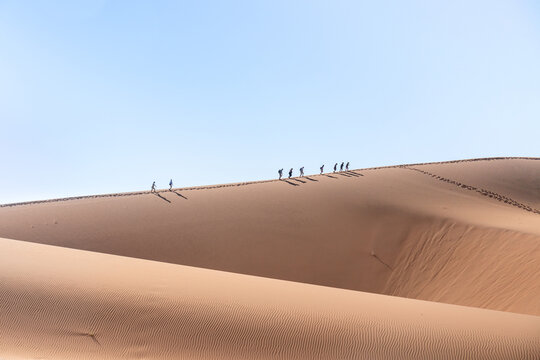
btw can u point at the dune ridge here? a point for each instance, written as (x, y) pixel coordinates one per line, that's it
(481, 191)
(206, 187)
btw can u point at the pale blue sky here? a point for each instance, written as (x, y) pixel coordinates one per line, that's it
(107, 96)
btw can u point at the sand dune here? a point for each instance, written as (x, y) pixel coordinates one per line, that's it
(347, 230)
(462, 233)
(85, 305)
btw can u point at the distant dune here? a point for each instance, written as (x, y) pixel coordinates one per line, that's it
(155, 276)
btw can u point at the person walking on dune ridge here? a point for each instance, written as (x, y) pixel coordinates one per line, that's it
(153, 189)
(347, 166)
(335, 167)
(341, 167)
(290, 173)
(170, 185)
(280, 172)
(301, 171)
(322, 168)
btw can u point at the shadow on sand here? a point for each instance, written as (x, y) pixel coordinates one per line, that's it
(297, 179)
(330, 176)
(177, 193)
(162, 197)
(310, 179)
(290, 183)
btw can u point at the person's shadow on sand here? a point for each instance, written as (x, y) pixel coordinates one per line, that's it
(177, 193)
(290, 183)
(162, 197)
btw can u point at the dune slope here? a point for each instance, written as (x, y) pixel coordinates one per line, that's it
(64, 304)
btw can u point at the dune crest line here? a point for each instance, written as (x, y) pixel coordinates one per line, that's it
(208, 187)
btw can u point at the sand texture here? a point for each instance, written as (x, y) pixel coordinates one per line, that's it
(422, 261)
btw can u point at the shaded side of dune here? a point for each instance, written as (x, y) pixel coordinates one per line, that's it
(469, 265)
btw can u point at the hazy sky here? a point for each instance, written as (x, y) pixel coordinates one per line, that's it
(107, 96)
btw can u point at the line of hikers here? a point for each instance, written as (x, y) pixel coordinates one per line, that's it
(280, 171)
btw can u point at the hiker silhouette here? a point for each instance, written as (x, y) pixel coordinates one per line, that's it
(347, 166)
(280, 172)
(153, 187)
(290, 173)
(301, 171)
(170, 185)
(322, 168)
(335, 167)
(341, 167)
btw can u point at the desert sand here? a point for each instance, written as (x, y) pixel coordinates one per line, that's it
(437, 260)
